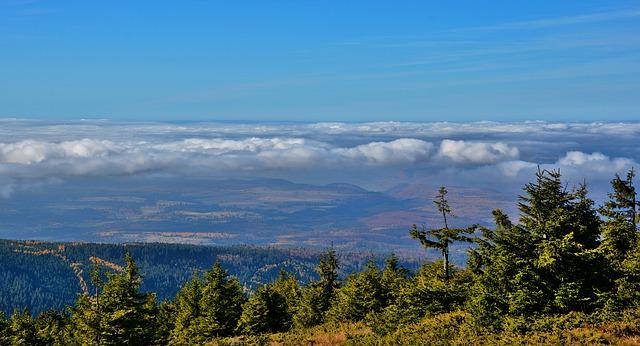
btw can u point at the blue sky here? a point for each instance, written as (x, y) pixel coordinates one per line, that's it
(320, 60)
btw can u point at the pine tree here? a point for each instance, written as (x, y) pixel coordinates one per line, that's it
(23, 331)
(619, 230)
(264, 312)
(5, 330)
(318, 297)
(444, 236)
(620, 243)
(207, 307)
(288, 287)
(118, 314)
(547, 263)
(51, 327)
(362, 293)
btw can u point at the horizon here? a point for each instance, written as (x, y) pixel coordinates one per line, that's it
(125, 119)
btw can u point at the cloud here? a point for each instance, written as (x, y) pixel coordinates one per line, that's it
(597, 162)
(513, 168)
(30, 151)
(568, 20)
(32, 159)
(33, 151)
(399, 151)
(574, 163)
(475, 152)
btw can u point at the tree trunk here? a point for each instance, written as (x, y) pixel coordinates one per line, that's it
(445, 253)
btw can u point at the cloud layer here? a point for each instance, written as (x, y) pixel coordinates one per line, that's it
(35, 151)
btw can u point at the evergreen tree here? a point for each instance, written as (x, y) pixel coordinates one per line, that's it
(207, 307)
(362, 293)
(619, 230)
(288, 287)
(165, 322)
(118, 314)
(5, 330)
(547, 263)
(394, 277)
(23, 331)
(620, 241)
(424, 294)
(264, 312)
(51, 327)
(444, 236)
(318, 297)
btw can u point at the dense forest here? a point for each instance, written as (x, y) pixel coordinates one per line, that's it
(567, 272)
(42, 276)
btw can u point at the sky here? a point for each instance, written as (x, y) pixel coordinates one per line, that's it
(347, 61)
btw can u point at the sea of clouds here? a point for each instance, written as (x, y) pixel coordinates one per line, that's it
(32, 152)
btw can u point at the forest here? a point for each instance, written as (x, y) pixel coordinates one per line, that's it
(566, 272)
(42, 276)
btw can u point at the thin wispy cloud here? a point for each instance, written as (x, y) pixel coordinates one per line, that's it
(566, 20)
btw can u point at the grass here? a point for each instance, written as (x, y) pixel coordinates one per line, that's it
(456, 328)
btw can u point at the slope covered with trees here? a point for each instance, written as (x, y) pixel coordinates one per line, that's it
(566, 273)
(42, 275)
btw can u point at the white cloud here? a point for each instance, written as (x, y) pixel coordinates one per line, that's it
(576, 164)
(513, 168)
(597, 162)
(31, 151)
(399, 151)
(104, 148)
(31, 159)
(476, 152)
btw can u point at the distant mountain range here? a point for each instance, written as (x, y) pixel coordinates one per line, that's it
(236, 211)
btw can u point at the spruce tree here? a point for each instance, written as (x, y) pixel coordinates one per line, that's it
(23, 330)
(318, 296)
(361, 294)
(5, 330)
(620, 241)
(619, 229)
(264, 312)
(288, 287)
(444, 236)
(52, 328)
(207, 307)
(548, 263)
(119, 314)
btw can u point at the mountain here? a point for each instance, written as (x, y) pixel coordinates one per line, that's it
(214, 211)
(49, 275)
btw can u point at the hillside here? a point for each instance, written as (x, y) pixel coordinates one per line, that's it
(44, 275)
(567, 272)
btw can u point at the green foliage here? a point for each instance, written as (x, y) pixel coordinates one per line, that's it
(264, 312)
(361, 294)
(118, 314)
(619, 231)
(207, 307)
(319, 295)
(444, 236)
(548, 263)
(23, 331)
(425, 294)
(561, 275)
(5, 330)
(288, 287)
(272, 307)
(52, 328)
